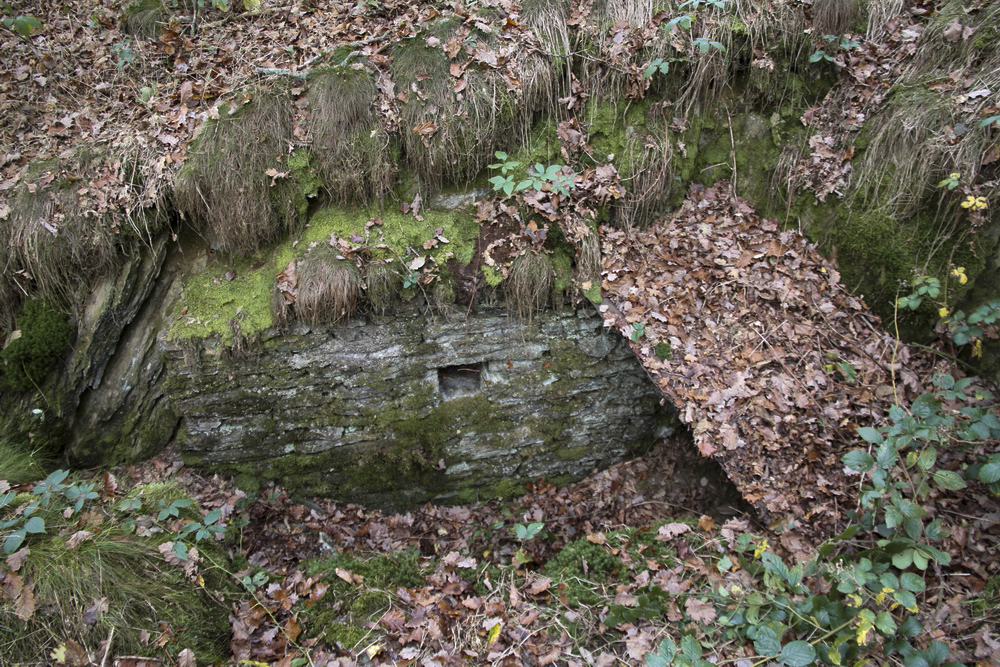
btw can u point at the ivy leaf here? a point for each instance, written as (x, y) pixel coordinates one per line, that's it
(798, 654)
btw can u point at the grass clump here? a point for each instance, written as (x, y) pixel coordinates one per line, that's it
(833, 17)
(145, 18)
(529, 284)
(330, 289)
(83, 574)
(350, 144)
(20, 463)
(445, 137)
(54, 243)
(585, 568)
(383, 285)
(224, 188)
(27, 359)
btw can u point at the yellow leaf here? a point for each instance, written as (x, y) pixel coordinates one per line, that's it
(495, 632)
(943, 311)
(59, 654)
(251, 5)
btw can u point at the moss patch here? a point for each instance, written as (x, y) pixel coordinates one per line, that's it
(345, 610)
(45, 333)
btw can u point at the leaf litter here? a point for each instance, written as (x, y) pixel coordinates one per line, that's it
(773, 363)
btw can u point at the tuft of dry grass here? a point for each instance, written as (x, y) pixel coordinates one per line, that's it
(448, 136)
(145, 18)
(833, 17)
(913, 141)
(880, 12)
(330, 289)
(588, 258)
(546, 76)
(54, 245)
(349, 142)
(652, 176)
(223, 189)
(382, 285)
(529, 284)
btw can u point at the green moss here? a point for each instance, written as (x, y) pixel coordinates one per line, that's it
(594, 294)
(493, 277)
(346, 608)
(211, 301)
(418, 438)
(28, 359)
(584, 567)
(663, 351)
(294, 193)
(343, 634)
(242, 290)
(400, 231)
(612, 125)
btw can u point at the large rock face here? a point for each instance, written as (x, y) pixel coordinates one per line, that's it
(400, 409)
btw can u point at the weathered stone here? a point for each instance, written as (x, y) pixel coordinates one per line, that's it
(392, 410)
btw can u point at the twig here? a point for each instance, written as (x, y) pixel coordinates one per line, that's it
(107, 647)
(274, 71)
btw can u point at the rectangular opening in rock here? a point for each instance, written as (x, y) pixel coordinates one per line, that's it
(457, 381)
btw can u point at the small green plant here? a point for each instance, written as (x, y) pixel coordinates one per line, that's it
(26, 520)
(834, 45)
(695, 5)
(661, 65)
(923, 287)
(125, 52)
(505, 181)
(23, 24)
(952, 181)
(705, 44)
(527, 532)
(558, 178)
(638, 331)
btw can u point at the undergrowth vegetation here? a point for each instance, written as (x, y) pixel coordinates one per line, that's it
(88, 570)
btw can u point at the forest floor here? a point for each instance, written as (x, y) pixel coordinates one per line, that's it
(639, 564)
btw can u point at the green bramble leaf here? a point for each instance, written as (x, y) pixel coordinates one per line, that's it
(990, 473)
(869, 434)
(913, 582)
(35, 524)
(13, 541)
(859, 460)
(798, 654)
(948, 479)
